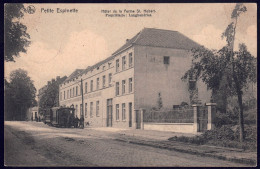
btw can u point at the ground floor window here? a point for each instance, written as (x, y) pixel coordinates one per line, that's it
(123, 111)
(91, 109)
(86, 109)
(97, 108)
(76, 110)
(81, 110)
(117, 111)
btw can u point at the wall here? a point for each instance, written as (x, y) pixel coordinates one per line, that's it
(127, 97)
(172, 127)
(101, 94)
(152, 76)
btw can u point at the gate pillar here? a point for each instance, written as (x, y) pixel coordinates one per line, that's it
(195, 122)
(211, 115)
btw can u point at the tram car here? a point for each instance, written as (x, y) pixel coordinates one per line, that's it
(59, 116)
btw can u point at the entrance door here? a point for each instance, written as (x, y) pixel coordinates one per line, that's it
(138, 119)
(109, 112)
(130, 114)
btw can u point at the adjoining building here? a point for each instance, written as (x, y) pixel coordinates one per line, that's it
(147, 65)
(52, 102)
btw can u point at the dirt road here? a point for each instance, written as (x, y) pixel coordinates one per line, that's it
(36, 144)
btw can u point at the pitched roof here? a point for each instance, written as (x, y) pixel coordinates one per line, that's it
(147, 37)
(74, 74)
(160, 38)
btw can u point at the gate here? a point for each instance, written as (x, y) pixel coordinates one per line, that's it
(138, 119)
(202, 118)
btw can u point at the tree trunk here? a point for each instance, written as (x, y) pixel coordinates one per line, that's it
(241, 117)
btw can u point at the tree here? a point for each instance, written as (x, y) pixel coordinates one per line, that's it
(50, 98)
(226, 69)
(19, 95)
(16, 39)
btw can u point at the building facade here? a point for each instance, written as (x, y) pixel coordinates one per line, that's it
(147, 65)
(51, 87)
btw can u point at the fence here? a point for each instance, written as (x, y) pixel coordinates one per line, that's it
(184, 115)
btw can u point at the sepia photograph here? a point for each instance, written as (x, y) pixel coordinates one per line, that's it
(130, 84)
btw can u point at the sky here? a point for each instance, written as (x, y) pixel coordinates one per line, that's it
(63, 42)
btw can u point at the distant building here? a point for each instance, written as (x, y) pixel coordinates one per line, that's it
(147, 65)
(32, 114)
(42, 90)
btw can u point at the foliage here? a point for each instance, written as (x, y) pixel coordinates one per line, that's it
(225, 136)
(16, 38)
(50, 97)
(229, 117)
(19, 95)
(225, 70)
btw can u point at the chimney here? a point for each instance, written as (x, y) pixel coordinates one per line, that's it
(127, 40)
(52, 80)
(49, 82)
(58, 78)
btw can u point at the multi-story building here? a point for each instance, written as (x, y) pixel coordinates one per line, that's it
(147, 65)
(43, 90)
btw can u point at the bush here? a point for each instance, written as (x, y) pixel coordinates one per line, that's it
(223, 133)
(225, 136)
(227, 118)
(250, 116)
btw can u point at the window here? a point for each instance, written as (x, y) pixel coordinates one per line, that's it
(123, 63)
(117, 111)
(130, 60)
(123, 111)
(86, 87)
(70, 93)
(73, 92)
(110, 79)
(104, 81)
(130, 85)
(60, 95)
(117, 88)
(166, 60)
(76, 90)
(123, 86)
(104, 67)
(80, 89)
(67, 93)
(109, 65)
(64, 95)
(117, 65)
(97, 108)
(76, 109)
(97, 83)
(91, 85)
(91, 109)
(86, 109)
(81, 109)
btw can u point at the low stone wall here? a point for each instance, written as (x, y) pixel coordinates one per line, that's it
(172, 127)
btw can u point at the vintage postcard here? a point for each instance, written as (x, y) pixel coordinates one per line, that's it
(130, 84)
